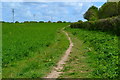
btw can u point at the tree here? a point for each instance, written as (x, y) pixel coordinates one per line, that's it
(80, 21)
(109, 9)
(26, 21)
(16, 22)
(91, 14)
(64, 22)
(119, 8)
(59, 21)
(33, 22)
(2, 21)
(41, 21)
(49, 21)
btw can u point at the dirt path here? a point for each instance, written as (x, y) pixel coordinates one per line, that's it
(55, 73)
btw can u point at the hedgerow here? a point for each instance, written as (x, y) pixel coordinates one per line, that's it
(109, 24)
(91, 14)
(109, 9)
(119, 8)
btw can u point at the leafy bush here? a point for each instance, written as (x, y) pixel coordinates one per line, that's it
(91, 14)
(80, 21)
(59, 21)
(33, 21)
(49, 22)
(26, 21)
(16, 22)
(109, 24)
(30, 22)
(41, 21)
(2, 21)
(109, 9)
(119, 8)
(64, 22)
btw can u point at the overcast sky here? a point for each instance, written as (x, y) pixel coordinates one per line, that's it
(45, 11)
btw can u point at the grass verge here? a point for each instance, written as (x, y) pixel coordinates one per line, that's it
(77, 65)
(103, 56)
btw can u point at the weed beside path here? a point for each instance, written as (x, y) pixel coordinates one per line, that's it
(55, 73)
(77, 66)
(102, 52)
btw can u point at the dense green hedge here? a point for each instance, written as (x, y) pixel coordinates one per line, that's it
(109, 9)
(119, 8)
(91, 14)
(109, 24)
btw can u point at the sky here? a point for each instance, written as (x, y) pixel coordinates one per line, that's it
(45, 11)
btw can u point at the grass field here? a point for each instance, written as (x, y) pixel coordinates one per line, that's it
(31, 50)
(100, 51)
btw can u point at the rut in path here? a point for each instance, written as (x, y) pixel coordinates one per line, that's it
(55, 73)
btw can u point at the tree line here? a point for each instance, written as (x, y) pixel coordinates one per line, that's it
(106, 18)
(107, 10)
(36, 22)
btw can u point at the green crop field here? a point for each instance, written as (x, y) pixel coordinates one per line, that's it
(60, 40)
(31, 49)
(100, 50)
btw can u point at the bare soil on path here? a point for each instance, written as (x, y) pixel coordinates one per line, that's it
(55, 73)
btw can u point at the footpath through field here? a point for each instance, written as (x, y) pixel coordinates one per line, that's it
(55, 73)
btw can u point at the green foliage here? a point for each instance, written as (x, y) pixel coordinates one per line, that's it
(64, 22)
(33, 22)
(80, 21)
(110, 24)
(30, 22)
(91, 14)
(49, 22)
(16, 22)
(105, 57)
(59, 21)
(41, 21)
(109, 9)
(2, 21)
(119, 7)
(26, 21)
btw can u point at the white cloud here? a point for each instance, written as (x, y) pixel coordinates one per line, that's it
(80, 4)
(44, 6)
(46, 10)
(1, 11)
(20, 9)
(15, 5)
(28, 13)
(12, 0)
(53, 0)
